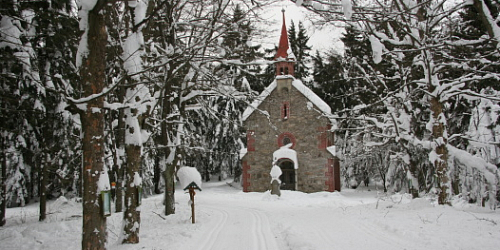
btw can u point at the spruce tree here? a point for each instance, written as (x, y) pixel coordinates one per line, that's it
(301, 51)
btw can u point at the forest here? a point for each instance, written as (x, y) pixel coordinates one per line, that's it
(111, 95)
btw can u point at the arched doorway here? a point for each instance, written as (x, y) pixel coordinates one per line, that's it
(287, 174)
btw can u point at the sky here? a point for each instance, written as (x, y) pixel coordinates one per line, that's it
(323, 39)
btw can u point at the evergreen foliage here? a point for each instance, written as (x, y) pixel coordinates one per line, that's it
(298, 43)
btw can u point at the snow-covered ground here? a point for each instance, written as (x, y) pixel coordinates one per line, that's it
(227, 218)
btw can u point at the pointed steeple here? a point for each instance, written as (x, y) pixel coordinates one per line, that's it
(285, 59)
(283, 45)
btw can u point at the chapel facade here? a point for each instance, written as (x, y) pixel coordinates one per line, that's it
(289, 126)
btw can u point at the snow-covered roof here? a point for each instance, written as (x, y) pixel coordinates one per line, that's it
(187, 175)
(255, 104)
(307, 92)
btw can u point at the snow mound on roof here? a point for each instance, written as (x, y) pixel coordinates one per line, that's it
(286, 152)
(187, 175)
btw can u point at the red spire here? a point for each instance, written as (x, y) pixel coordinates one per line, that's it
(283, 46)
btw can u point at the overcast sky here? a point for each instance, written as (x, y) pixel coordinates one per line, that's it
(322, 39)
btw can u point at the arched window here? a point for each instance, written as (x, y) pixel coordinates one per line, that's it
(285, 110)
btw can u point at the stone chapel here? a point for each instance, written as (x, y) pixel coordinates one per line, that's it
(290, 126)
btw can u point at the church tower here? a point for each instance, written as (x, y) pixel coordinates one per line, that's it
(284, 59)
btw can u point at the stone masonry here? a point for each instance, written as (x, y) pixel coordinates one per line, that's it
(307, 129)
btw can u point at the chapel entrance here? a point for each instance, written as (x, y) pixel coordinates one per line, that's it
(288, 174)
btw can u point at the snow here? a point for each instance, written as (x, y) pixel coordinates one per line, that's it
(10, 33)
(495, 29)
(332, 150)
(255, 104)
(315, 99)
(275, 173)
(187, 175)
(227, 218)
(317, 6)
(376, 49)
(347, 8)
(286, 152)
(132, 54)
(137, 179)
(103, 182)
(307, 92)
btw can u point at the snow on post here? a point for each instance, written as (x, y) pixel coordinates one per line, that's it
(275, 173)
(187, 175)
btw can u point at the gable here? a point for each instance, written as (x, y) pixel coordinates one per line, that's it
(298, 85)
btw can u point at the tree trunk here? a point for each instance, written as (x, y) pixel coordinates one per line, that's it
(487, 19)
(92, 119)
(121, 163)
(441, 162)
(43, 188)
(413, 177)
(132, 215)
(170, 189)
(157, 174)
(3, 187)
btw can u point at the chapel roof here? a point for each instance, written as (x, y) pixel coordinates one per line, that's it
(297, 84)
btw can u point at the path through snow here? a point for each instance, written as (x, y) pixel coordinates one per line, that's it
(227, 218)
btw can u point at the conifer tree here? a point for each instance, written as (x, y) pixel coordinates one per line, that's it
(298, 44)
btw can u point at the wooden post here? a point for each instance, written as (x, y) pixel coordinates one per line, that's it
(191, 187)
(191, 196)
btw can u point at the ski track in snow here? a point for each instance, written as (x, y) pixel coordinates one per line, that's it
(209, 241)
(236, 227)
(228, 219)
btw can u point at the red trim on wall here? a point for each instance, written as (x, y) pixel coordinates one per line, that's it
(326, 137)
(330, 176)
(336, 173)
(282, 136)
(250, 140)
(246, 177)
(322, 137)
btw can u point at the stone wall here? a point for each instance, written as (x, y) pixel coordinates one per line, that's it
(304, 123)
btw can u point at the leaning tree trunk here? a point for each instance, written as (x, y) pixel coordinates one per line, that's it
(92, 119)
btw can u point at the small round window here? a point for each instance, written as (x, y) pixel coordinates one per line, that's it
(285, 139)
